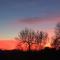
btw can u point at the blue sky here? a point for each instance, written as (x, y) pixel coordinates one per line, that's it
(14, 10)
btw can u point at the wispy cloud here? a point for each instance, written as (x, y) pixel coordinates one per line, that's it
(38, 20)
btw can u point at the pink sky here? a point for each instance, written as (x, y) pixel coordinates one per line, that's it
(35, 23)
(11, 44)
(7, 41)
(15, 15)
(8, 44)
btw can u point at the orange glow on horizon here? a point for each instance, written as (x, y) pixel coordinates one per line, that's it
(11, 43)
(7, 44)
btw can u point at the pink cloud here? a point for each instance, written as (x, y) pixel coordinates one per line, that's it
(38, 20)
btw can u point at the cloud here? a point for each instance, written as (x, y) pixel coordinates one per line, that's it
(30, 20)
(36, 20)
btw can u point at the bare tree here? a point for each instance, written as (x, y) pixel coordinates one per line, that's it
(31, 37)
(27, 36)
(56, 41)
(40, 37)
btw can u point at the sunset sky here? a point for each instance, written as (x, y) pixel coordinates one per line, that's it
(15, 15)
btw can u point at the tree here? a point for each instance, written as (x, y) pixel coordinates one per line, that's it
(56, 42)
(32, 37)
(41, 37)
(27, 36)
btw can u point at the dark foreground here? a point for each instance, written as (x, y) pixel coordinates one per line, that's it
(48, 54)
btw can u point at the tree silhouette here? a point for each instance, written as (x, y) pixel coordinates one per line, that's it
(41, 37)
(27, 36)
(56, 42)
(32, 37)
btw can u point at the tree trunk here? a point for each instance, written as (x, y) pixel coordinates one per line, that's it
(29, 47)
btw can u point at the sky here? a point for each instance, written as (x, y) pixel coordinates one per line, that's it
(15, 15)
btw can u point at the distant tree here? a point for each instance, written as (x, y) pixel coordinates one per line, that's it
(41, 37)
(56, 40)
(27, 36)
(32, 37)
